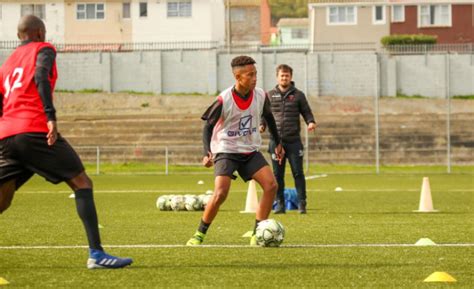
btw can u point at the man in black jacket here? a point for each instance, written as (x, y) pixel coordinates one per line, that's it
(287, 104)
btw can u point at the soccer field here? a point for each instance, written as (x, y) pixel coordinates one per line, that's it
(362, 236)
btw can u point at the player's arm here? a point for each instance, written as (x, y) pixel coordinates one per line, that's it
(263, 123)
(211, 116)
(306, 112)
(44, 64)
(272, 128)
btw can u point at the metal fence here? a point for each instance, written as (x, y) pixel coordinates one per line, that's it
(251, 47)
(367, 136)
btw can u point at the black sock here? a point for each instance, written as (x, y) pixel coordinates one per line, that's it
(203, 227)
(256, 225)
(86, 209)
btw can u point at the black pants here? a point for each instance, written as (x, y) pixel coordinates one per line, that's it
(294, 153)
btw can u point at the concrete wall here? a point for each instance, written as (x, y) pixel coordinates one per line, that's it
(317, 74)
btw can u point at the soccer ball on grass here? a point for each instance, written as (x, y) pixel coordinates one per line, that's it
(270, 233)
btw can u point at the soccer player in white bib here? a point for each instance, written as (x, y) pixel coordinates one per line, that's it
(232, 142)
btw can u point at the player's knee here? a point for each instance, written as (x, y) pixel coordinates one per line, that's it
(220, 197)
(273, 186)
(81, 181)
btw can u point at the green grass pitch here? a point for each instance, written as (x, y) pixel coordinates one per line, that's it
(371, 209)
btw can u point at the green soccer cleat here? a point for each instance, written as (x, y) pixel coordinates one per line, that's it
(197, 239)
(253, 240)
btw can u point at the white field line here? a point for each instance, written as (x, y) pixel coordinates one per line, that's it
(160, 246)
(237, 191)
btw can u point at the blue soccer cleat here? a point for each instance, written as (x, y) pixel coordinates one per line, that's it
(100, 260)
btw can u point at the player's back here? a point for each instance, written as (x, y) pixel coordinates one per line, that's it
(22, 107)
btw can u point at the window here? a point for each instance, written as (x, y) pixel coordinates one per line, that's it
(378, 13)
(180, 8)
(33, 9)
(434, 15)
(143, 9)
(237, 14)
(342, 15)
(299, 33)
(90, 11)
(398, 13)
(126, 10)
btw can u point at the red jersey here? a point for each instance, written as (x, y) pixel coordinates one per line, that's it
(22, 106)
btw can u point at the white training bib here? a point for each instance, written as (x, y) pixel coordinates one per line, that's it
(237, 130)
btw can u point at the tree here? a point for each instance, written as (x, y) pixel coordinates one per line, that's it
(288, 9)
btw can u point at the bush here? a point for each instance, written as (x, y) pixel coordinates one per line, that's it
(407, 39)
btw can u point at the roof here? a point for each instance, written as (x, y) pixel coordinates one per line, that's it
(293, 22)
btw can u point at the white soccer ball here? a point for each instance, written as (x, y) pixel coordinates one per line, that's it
(177, 203)
(161, 203)
(190, 202)
(270, 233)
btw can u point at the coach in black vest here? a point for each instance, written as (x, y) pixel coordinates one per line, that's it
(288, 103)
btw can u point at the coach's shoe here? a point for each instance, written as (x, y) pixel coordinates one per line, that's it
(197, 239)
(100, 260)
(302, 207)
(280, 208)
(253, 240)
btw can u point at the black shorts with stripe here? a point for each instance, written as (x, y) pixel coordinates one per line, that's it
(25, 154)
(225, 164)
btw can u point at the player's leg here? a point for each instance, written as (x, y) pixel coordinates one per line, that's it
(12, 173)
(279, 173)
(221, 190)
(265, 178)
(295, 154)
(258, 169)
(224, 171)
(7, 191)
(58, 163)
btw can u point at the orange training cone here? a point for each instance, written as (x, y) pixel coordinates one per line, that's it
(251, 203)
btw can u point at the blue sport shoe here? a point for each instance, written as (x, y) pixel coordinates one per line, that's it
(100, 260)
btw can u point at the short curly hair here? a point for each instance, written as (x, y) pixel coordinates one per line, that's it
(242, 61)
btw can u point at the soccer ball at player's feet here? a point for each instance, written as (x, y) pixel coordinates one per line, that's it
(270, 233)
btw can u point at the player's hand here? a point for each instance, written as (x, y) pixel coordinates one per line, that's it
(312, 126)
(207, 160)
(280, 153)
(261, 128)
(52, 135)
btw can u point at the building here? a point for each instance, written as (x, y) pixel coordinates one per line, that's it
(248, 22)
(349, 21)
(119, 21)
(367, 21)
(52, 12)
(293, 31)
(451, 21)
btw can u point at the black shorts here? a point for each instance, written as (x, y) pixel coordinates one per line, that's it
(25, 154)
(246, 164)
